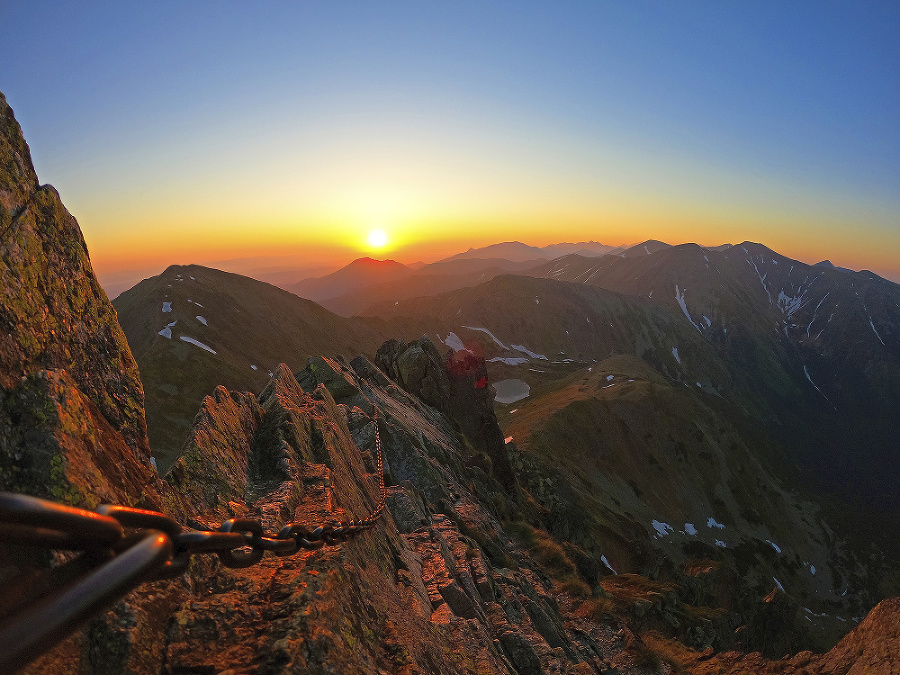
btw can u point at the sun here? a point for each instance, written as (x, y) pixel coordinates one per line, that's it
(378, 239)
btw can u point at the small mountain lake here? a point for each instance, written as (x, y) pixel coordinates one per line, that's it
(510, 391)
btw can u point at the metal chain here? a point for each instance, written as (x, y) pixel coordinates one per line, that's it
(158, 549)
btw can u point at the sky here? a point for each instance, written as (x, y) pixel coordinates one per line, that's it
(207, 131)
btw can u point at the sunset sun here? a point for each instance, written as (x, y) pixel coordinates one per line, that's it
(378, 239)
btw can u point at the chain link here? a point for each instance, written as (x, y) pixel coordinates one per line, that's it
(159, 548)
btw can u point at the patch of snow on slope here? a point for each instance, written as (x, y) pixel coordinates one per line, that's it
(490, 334)
(778, 583)
(167, 331)
(606, 562)
(790, 303)
(720, 543)
(202, 320)
(609, 377)
(872, 325)
(167, 307)
(508, 360)
(254, 367)
(662, 529)
(675, 354)
(679, 296)
(530, 353)
(762, 279)
(711, 522)
(774, 545)
(690, 529)
(198, 344)
(536, 301)
(806, 372)
(646, 249)
(453, 341)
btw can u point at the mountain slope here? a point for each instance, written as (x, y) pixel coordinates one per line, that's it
(816, 350)
(432, 279)
(193, 328)
(516, 251)
(359, 274)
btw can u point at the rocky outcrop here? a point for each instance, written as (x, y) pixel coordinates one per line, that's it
(66, 372)
(457, 386)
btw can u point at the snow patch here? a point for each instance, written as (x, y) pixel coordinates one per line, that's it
(254, 367)
(508, 360)
(167, 307)
(167, 331)
(762, 279)
(790, 303)
(530, 353)
(690, 529)
(606, 562)
(453, 341)
(774, 545)
(720, 543)
(201, 320)
(490, 334)
(711, 522)
(536, 301)
(609, 377)
(875, 331)
(198, 344)
(806, 372)
(675, 354)
(778, 583)
(662, 529)
(679, 296)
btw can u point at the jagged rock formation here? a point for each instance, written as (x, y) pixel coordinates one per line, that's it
(457, 387)
(449, 581)
(68, 381)
(193, 328)
(869, 649)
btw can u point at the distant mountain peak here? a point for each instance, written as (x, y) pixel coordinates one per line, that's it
(373, 262)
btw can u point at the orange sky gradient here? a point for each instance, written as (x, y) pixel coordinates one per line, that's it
(289, 132)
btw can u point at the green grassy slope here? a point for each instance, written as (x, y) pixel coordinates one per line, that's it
(248, 323)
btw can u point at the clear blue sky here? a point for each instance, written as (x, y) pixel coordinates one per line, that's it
(183, 132)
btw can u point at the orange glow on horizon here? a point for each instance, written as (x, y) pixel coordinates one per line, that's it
(336, 241)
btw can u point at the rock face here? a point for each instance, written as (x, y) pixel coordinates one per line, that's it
(71, 401)
(456, 385)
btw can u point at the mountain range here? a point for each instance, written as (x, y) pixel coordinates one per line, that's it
(644, 460)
